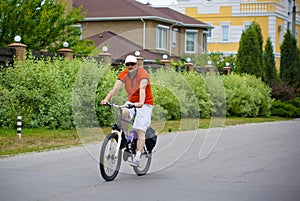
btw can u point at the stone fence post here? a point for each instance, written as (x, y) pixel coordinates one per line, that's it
(166, 62)
(210, 68)
(189, 66)
(19, 47)
(106, 58)
(68, 53)
(227, 69)
(140, 61)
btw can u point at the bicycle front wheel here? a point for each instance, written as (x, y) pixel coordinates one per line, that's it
(145, 162)
(110, 162)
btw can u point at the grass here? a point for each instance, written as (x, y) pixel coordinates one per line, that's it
(34, 140)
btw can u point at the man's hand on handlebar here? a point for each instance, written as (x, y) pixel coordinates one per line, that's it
(138, 105)
(104, 102)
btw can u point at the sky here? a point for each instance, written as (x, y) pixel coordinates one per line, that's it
(157, 2)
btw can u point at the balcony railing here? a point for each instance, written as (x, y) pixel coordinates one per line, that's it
(260, 7)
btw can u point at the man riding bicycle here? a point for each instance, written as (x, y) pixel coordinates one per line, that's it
(137, 85)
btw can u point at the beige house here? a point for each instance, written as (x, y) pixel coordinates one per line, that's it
(156, 30)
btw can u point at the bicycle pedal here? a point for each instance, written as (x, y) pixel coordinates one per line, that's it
(132, 165)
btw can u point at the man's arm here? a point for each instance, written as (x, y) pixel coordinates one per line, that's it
(143, 85)
(111, 93)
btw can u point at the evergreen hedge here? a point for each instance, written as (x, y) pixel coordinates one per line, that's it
(64, 94)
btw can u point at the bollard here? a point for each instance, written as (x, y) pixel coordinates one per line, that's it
(19, 127)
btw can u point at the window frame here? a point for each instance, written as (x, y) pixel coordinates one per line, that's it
(246, 25)
(210, 32)
(79, 26)
(195, 40)
(222, 26)
(162, 37)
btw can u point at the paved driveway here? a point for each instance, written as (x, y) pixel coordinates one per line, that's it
(249, 162)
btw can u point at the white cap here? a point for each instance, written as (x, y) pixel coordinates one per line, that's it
(130, 58)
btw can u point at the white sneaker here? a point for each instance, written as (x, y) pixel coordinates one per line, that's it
(134, 163)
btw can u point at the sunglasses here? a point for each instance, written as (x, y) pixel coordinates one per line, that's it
(130, 64)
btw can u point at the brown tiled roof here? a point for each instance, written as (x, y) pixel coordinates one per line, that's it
(177, 16)
(120, 47)
(131, 9)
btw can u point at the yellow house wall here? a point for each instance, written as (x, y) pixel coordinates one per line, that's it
(225, 15)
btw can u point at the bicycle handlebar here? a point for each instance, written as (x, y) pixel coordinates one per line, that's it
(128, 106)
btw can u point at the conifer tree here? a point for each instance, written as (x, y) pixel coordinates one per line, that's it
(249, 53)
(289, 59)
(271, 75)
(260, 39)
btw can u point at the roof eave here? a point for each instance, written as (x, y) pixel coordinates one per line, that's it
(207, 26)
(131, 18)
(178, 23)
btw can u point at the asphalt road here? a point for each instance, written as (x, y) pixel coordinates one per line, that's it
(249, 162)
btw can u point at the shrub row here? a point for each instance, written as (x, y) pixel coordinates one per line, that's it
(290, 109)
(64, 94)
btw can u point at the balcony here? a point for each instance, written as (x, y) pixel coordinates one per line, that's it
(261, 8)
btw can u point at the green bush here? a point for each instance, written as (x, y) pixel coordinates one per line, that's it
(84, 96)
(40, 91)
(289, 108)
(247, 96)
(106, 83)
(198, 84)
(295, 102)
(174, 94)
(283, 109)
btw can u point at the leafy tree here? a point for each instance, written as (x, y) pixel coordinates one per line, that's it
(270, 65)
(289, 61)
(42, 24)
(249, 53)
(219, 60)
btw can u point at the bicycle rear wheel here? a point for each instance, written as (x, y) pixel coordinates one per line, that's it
(145, 162)
(109, 163)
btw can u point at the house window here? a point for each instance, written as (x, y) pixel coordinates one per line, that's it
(210, 31)
(161, 37)
(289, 26)
(246, 25)
(225, 32)
(191, 37)
(80, 30)
(280, 29)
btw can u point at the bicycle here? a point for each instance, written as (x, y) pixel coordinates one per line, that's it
(117, 144)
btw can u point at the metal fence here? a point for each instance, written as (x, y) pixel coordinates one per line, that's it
(7, 56)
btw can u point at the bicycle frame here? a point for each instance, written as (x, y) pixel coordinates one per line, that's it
(117, 128)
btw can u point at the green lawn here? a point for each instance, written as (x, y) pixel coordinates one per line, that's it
(45, 139)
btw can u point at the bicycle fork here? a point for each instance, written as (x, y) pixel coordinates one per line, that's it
(119, 133)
